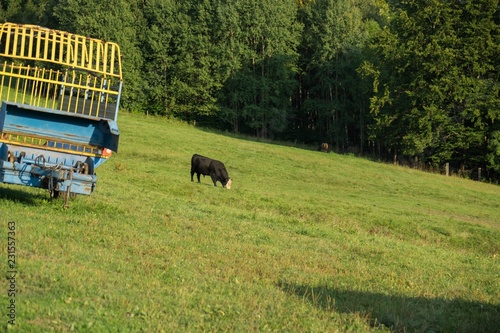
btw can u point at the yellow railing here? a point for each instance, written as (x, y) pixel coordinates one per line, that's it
(51, 144)
(58, 70)
(32, 42)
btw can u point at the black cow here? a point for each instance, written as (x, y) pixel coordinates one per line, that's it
(207, 166)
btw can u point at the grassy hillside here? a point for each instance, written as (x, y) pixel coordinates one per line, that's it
(303, 242)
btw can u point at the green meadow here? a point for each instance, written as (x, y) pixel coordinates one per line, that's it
(303, 242)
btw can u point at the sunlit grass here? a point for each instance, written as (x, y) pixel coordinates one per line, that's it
(304, 241)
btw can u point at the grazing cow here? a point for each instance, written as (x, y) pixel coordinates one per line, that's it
(207, 166)
(324, 147)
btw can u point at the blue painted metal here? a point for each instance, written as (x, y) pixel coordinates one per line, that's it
(52, 149)
(59, 109)
(61, 126)
(39, 175)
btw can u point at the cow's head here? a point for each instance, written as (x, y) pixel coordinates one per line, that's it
(228, 184)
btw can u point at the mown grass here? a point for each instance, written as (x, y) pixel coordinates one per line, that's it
(303, 242)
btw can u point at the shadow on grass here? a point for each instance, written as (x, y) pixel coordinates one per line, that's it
(21, 195)
(203, 184)
(403, 314)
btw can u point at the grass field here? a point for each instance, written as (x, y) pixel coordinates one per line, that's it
(303, 242)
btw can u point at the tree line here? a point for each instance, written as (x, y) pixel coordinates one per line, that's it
(409, 80)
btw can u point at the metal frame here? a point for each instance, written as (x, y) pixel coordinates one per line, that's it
(60, 96)
(59, 70)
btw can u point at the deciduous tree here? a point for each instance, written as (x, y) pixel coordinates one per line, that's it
(438, 96)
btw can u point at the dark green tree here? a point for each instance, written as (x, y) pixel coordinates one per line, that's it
(437, 94)
(182, 66)
(235, 54)
(120, 21)
(334, 97)
(262, 46)
(164, 24)
(37, 12)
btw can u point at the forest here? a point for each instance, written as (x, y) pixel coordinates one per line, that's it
(414, 82)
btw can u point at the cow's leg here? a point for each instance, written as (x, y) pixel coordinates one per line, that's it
(192, 174)
(214, 178)
(198, 175)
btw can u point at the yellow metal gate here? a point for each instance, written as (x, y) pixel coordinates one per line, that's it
(59, 70)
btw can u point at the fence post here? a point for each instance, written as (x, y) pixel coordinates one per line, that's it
(447, 168)
(479, 174)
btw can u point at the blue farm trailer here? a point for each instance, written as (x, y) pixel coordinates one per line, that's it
(60, 94)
